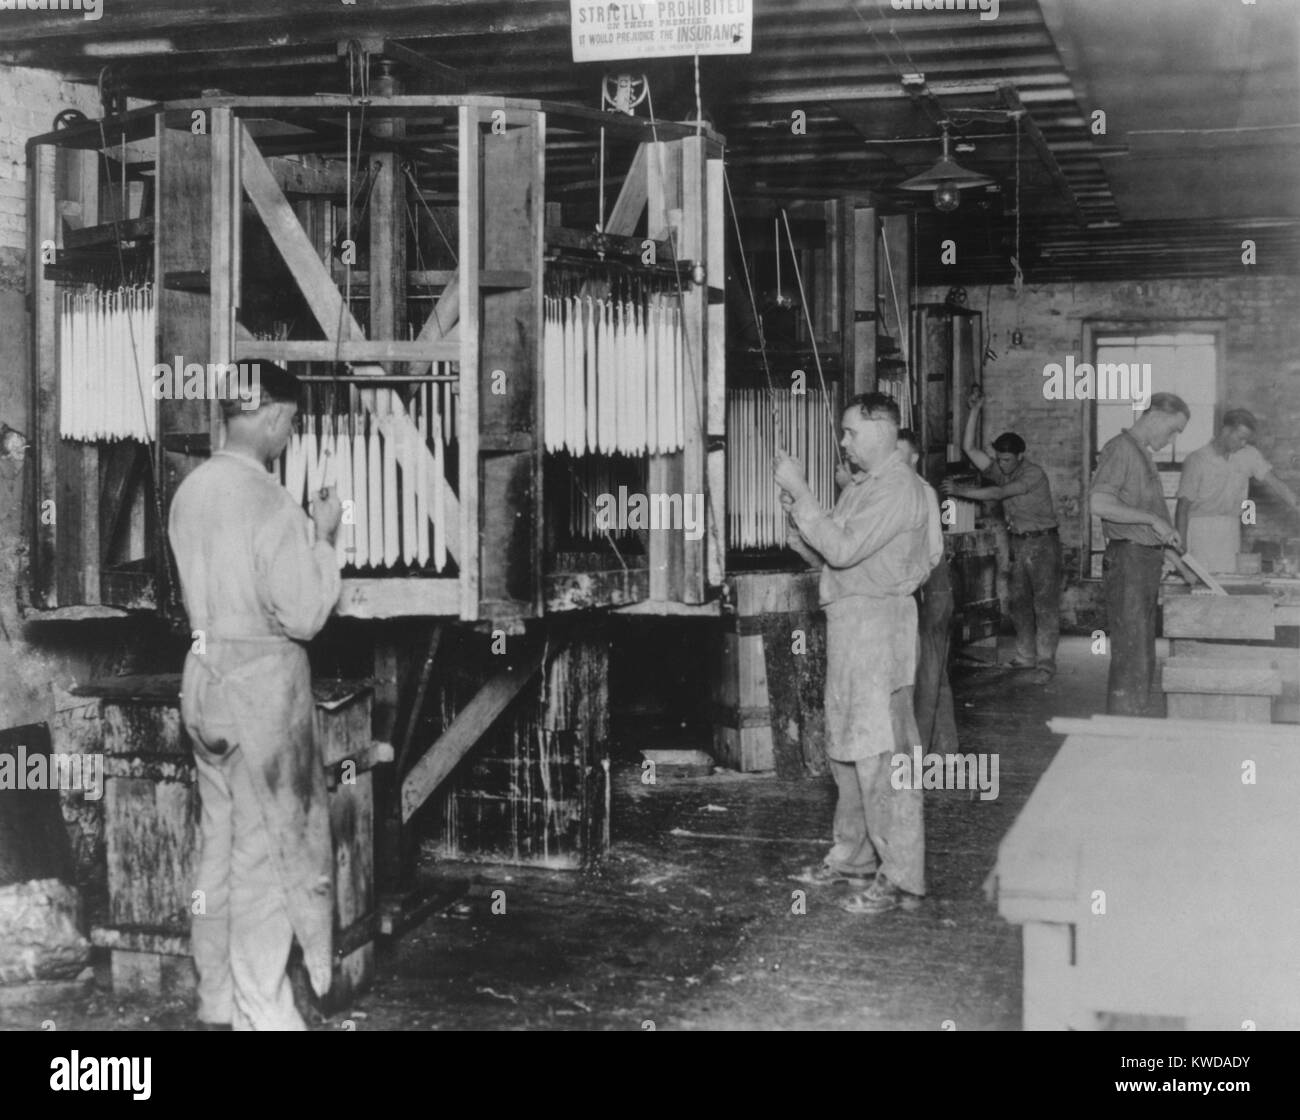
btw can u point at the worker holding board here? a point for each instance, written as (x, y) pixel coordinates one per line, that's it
(1213, 490)
(874, 550)
(1128, 497)
(259, 578)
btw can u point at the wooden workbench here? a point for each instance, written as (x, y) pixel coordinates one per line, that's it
(1198, 872)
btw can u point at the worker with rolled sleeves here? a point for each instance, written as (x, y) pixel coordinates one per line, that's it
(259, 578)
(1126, 494)
(1035, 578)
(874, 549)
(1213, 489)
(936, 719)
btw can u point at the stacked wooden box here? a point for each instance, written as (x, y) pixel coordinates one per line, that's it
(1211, 674)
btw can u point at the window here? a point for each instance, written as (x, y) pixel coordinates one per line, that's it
(1186, 364)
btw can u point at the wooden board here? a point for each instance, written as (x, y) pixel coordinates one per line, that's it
(1219, 616)
(1220, 677)
(1200, 706)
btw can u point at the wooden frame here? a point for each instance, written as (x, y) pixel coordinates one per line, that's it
(203, 178)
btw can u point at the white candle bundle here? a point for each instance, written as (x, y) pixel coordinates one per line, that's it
(394, 497)
(613, 376)
(761, 422)
(106, 360)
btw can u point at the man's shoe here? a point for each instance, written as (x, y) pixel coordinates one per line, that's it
(1021, 663)
(1042, 676)
(879, 898)
(823, 875)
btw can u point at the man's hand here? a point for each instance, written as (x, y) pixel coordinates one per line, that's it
(1167, 533)
(976, 398)
(326, 513)
(787, 501)
(789, 475)
(843, 476)
(949, 488)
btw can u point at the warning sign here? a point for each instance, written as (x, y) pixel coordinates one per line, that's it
(660, 28)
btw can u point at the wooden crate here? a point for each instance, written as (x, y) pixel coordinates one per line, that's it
(151, 830)
(1220, 689)
(1122, 810)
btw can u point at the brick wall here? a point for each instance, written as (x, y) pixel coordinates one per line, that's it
(1262, 326)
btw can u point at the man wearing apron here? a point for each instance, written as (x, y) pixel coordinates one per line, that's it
(875, 549)
(259, 579)
(1213, 488)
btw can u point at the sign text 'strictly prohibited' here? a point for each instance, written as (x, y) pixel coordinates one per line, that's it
(660, 28)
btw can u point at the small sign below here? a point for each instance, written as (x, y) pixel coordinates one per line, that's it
(660, 28)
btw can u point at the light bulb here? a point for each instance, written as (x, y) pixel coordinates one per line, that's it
(946, 197)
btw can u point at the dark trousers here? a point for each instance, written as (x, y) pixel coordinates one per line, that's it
(1035, 591)
(934, 708)
(1132, 578)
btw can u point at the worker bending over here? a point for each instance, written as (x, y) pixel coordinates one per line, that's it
(874, 549)
(1035, 578)
(259, 579)
(1213, 488)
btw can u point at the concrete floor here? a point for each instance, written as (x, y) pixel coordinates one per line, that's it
(688, 923)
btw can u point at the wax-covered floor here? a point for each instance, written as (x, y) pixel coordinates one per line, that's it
(689, 922)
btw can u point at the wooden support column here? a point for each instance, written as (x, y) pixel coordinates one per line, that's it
(43, 422)
(715, 266)
(388, 227)
(862, 306)
(664, 192)
(693, 246)
(470, 241)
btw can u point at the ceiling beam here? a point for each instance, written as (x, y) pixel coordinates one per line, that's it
(1011, 99)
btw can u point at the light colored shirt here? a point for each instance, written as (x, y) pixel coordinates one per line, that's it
(882, 538)
(245, 553)
(1033, 510)
(1127, 472)
(1216, 486)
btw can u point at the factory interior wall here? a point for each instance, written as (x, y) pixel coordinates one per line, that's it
(1262, 350)
(41, 661)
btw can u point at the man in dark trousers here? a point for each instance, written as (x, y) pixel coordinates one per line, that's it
(259, 579)
(1035, 578)
(935, 716)
(1127, 496)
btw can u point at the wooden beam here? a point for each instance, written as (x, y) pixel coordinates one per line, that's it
(632, 198)
(470, 240)
(1011, 99)
(351, 350)
(42, 205)
(469, 726)
(399, 598)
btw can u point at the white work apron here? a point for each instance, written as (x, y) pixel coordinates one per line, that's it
(1215, 541)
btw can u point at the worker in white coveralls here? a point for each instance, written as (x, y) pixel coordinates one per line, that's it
(259, 578)
(874, 549)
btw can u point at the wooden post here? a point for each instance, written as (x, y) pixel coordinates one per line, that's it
(865, 315)
(716, 373)
(693, 245)
(471, 249)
